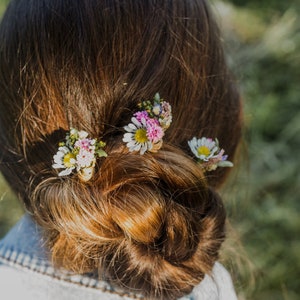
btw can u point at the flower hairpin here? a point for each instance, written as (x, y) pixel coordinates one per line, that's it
(78, 153)
(209, 154)
(148, 126)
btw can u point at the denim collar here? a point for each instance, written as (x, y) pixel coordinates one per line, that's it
(23, 248)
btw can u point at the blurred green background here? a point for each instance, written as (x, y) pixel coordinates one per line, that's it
(262, 39)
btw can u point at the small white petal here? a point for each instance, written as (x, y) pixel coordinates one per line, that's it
(143, 149)
(127, 137)
(82, 134)
(57, 159)
(149, 145)
(136, 122)
(130, 128)
(58, 166)
(59, 154)
(131, 143)
(194, 141)
(136, 147)
(225, 163)
(195, 152)
(143, 123)
(66, 172)
(63, 149)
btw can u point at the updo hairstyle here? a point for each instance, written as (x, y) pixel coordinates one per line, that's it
(152, 223)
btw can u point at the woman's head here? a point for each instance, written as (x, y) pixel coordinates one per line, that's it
(87, 64)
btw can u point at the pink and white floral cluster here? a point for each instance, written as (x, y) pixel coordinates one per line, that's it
(78, 152)
(148, 126)
(208, 153)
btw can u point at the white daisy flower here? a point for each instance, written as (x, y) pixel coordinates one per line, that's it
(64, 159)
(136, 136)
(148, 126)
(78, 152)
(209, 154)
(204, 148)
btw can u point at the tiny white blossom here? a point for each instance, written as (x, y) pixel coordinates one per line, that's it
(79, 153)
(208, 153)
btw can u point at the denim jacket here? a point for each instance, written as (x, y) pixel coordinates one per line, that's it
(27, 274)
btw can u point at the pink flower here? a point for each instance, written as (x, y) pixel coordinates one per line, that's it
(220, 156)
(152, 122)
(140, 115)
(85, 158)
(165, 117)
(154, 131)
(83, 144)
(166, 109)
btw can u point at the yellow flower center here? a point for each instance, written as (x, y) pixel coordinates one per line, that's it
(69, 160)
(141, 135)
(203, 150)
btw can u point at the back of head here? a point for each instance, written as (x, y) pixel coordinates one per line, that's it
(151, 223)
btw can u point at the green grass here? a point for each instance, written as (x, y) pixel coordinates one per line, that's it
(263, 43)
(264, 53)
(10, 208)
(3, 4)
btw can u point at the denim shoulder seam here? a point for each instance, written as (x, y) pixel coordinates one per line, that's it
(24, 261)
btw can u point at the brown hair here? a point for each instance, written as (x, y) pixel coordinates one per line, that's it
(150, 223)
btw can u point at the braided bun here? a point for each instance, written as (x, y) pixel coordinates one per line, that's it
(148, 223)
